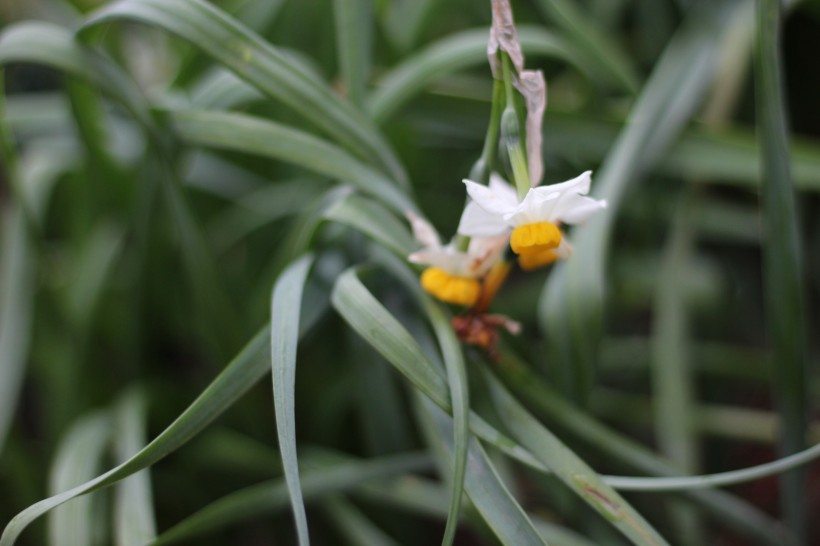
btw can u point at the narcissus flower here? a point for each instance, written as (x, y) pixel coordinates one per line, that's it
(454, 276)
(536, 236)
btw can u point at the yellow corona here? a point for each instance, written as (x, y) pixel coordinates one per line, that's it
(534, 260)
(535, 238)
(450, 288)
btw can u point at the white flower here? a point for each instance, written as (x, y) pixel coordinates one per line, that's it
(497, 205)
(486, 219)
(453, 275)
(479, 257)
(534, 221)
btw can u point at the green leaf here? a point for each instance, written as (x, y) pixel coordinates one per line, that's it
(220, 89)
(354, 525)
(728, 155)
(94, 267)
(372, 219)
(240, 375)
(570, 468)
(782, 261)
(549, 403)
(249, 134)
(597, 48)
(78, 459)
(260, 207)
(17, 263)
(323, 474)
(286, 304)
(384, 333)
(51, 45)
(448, 55)
(571, 306)
(487, 492)
(405, 20)
(134, 523)
(459, 397)
(245, 53)
(672, 378)
(354, 23)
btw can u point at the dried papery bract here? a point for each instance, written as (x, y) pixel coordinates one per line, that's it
(530, 83)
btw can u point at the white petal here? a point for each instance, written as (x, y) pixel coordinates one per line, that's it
(477, 222)
(534, 208)
(579, 184)
(504, 190)
(446, 258)
(423, 231)
(574, 209)
(494, 202)
(484, 252)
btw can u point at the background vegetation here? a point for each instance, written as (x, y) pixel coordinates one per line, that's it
(191, 190)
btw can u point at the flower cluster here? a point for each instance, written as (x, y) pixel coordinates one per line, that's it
(493, 219)
(502, 222)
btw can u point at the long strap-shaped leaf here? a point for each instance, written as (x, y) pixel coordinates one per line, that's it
(450, 54)
(249, 134)
(16, 309)
(286, 305)
(49, 44)
(570, 468)
(596, 47)
(782, 261)
(53, 46)
(459, 396)
(253, 59)
(323, 474)
(571, 306)
(240, 375)
(133, 504)
(489, 495)
(385, 334)
(78, 458)
(551, 405)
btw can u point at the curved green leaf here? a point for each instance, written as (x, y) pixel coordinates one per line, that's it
(240, 375)
(782, 261)
(353, 525)
(550, 404)
(322, 475)
(78, 459)
(52, 45)
(134, 523)
(17, 265)
(249, 134)
(385, 334)
(372, 219)
(286, 303)
(597, 48)
(256, 61)
(459, 396)
(570, 468)
(456, 52)
(354, 43)
(489, 495)
(571, 306)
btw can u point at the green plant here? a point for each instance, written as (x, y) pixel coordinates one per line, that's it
(200, 194)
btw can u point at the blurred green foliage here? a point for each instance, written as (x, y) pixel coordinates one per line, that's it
(167, 162)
